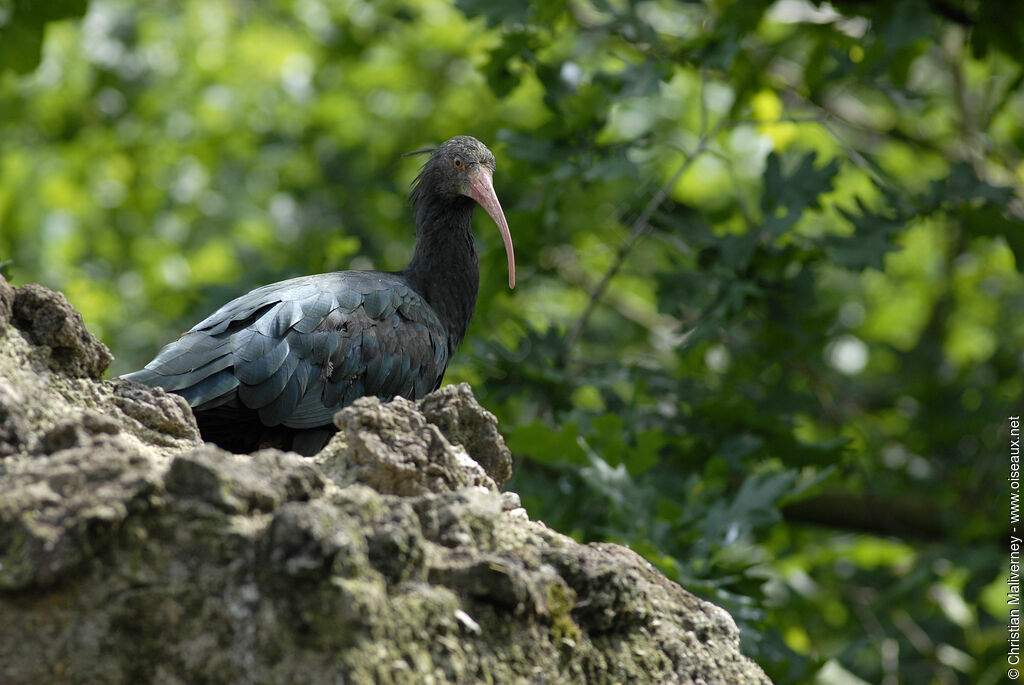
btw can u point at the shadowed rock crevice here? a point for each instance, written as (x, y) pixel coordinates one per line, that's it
(132, 552)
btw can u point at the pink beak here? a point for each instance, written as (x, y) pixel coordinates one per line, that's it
(481, 189)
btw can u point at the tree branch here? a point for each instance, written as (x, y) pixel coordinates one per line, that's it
(640, 227)
(908, 516)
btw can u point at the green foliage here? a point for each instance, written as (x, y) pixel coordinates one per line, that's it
(22, 23)
(766, 325)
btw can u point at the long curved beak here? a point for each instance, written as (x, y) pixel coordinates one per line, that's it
(481, 189)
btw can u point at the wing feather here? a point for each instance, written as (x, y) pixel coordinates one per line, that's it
(299, 350)
(260, 395)
(284, 402)
(184, 380)
(187, 353)
(259, 369)
(212, 389)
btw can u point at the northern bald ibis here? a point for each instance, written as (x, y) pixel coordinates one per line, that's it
(274, 365)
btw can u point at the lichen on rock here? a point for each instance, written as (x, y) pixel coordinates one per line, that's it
(132, 552)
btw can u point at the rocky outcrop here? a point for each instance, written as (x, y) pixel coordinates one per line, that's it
(132, 552)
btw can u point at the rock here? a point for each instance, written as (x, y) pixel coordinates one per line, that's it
(58, 512)
(49, 401)
(132, 552)
(461, 419)
(14, 424)
(262, 482)
(77, 430)
(6, 302)
(51, 323)
(155, 413)
(394, 449)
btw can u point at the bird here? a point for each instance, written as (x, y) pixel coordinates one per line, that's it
(272, 367)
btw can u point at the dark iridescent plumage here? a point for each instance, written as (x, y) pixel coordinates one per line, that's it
(274, 365)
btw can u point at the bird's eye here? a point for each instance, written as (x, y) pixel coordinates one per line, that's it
(458, 162)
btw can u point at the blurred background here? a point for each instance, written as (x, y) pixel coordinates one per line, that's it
(768, 326)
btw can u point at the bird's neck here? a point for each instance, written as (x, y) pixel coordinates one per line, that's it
(444, 268)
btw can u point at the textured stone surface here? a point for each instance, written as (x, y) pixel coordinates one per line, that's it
(455, 411)
(51, 323)
(393, 448)
(132, 552)
(6, 301)
(50, 403)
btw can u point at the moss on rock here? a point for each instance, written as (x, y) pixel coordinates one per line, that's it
(131, 552)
